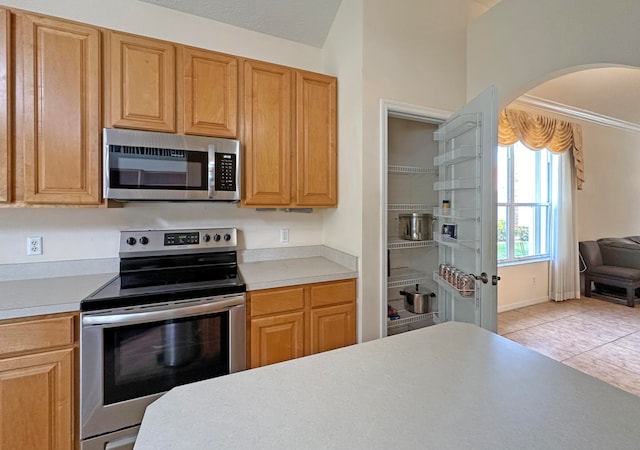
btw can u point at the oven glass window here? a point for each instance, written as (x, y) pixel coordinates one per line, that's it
(147, 168)
(152, 358)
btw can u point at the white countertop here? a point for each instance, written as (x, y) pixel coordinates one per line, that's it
(449, 386)
(23, 298)
(37, 296)
(287, 272)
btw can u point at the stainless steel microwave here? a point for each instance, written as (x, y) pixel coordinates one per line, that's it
(144, 165)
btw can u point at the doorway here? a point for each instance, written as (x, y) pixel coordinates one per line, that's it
(407, 177)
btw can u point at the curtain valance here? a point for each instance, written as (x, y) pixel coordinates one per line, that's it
(537, 132)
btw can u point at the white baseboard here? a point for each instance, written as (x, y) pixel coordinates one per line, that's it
(529, 302)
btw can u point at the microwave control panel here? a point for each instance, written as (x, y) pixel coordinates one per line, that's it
(225, 164)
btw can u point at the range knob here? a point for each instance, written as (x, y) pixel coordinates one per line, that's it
(216, 237)
(144, 240)
(227, 237)
(206, 238)
(131, 240)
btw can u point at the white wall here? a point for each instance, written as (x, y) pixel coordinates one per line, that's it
(343, 57)
(150, 20)
(523, 285)
(607, 206)
(609, 202)
(519, 44)
(414, 52)
(342, 227)
(71, 233)
(74, 233)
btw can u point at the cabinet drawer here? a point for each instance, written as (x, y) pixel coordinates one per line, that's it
(334, 292)
(276, 300)
(36, 334)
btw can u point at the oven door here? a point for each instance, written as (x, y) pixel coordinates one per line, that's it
(131, 356)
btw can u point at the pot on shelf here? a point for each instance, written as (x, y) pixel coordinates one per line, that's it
(419, 302)
(416, 226)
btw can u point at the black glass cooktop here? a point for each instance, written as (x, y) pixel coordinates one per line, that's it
(154, 279)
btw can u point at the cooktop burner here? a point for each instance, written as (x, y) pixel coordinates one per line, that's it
(169, 265)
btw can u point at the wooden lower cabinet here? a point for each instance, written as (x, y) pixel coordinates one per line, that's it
(333, 327)
(277, 338)
(289, 322)
(38, 383)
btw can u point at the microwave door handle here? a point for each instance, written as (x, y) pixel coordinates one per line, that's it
(211, 172)
(116, 320)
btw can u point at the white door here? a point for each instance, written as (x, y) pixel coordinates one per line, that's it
(467, 164)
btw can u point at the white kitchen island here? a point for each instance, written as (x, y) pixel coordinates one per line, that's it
(449, 386)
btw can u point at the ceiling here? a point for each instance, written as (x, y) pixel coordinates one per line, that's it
(612, 92)
(304, 21)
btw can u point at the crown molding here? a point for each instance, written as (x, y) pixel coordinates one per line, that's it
(576, 113)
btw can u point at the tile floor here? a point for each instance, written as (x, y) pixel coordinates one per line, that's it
(597, 337)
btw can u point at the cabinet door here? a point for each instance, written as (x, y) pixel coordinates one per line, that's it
(276, 338)
(142, 73)
(6, 147)
(316, 132)
(333, 327)
(36, 405)
(210, 93)
(268, 119)
(61, 117)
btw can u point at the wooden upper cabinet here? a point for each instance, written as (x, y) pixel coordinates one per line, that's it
(6, 147)
(61, 111)
(316, 136)
(141, 75)
(268, 109)
(209, 93)
(279, 172)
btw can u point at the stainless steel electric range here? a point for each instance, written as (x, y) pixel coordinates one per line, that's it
(174, 315)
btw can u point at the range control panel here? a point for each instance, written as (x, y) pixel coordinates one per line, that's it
(140, 242)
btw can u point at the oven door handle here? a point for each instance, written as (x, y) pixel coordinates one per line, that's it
(177, 312)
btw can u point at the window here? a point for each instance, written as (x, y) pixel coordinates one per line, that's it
(523, 203)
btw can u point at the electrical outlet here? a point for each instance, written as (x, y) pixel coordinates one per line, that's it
(34, 245)
(284, 235)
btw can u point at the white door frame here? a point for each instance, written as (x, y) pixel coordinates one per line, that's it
(392, 108)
